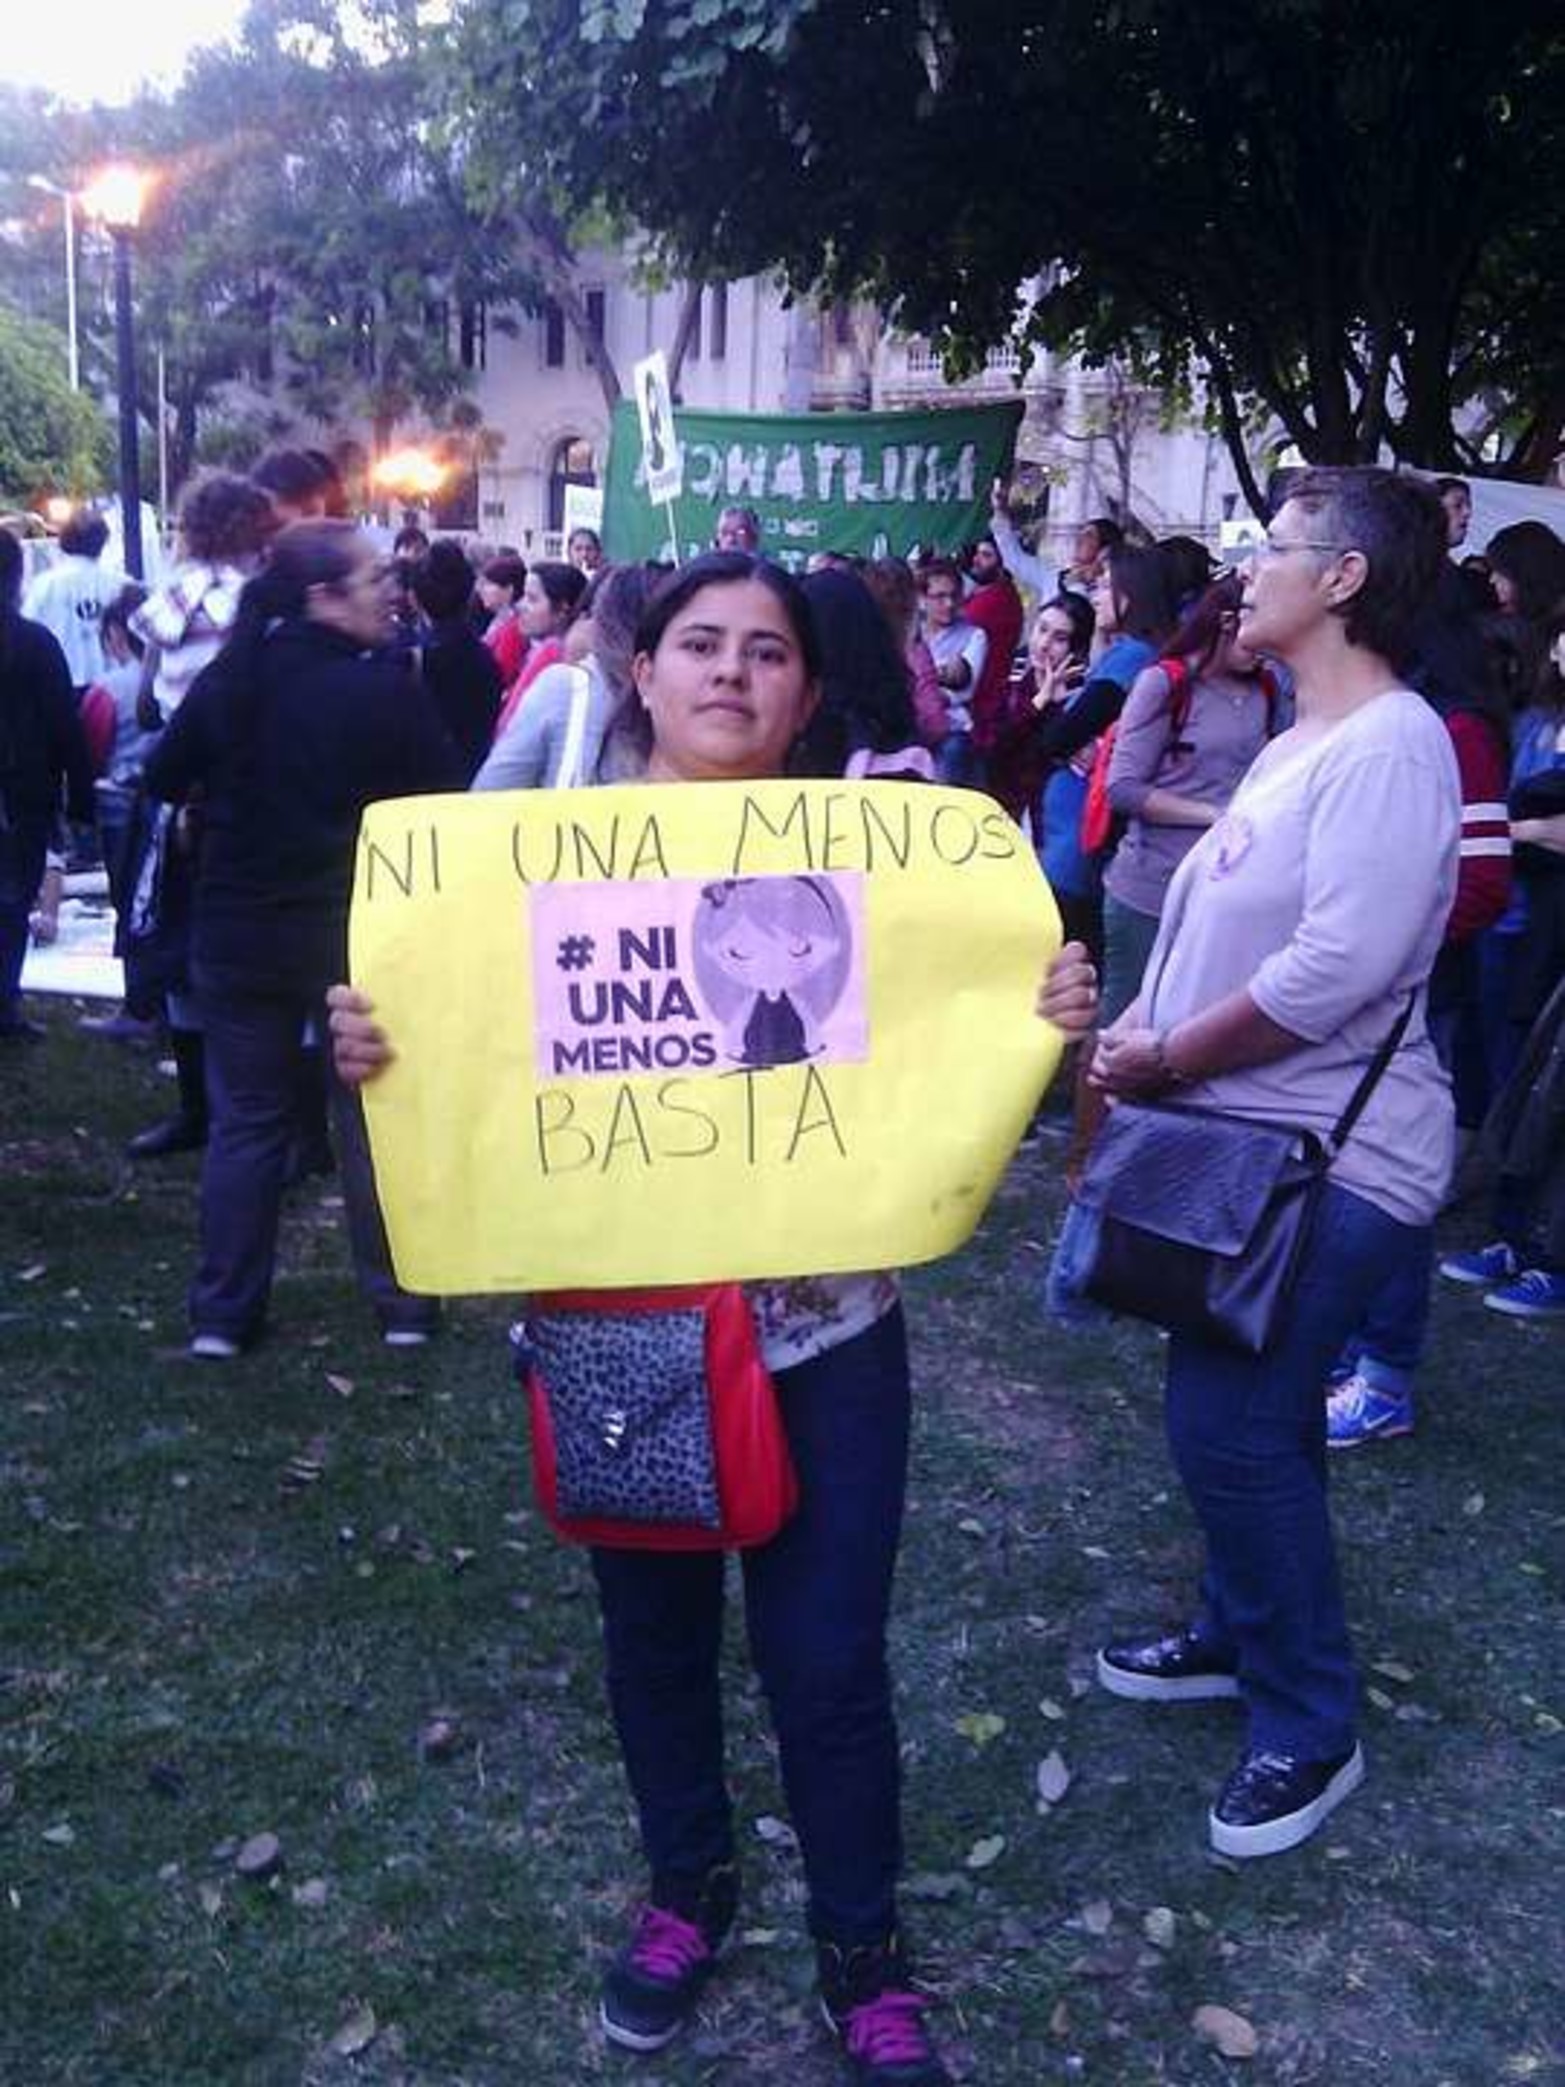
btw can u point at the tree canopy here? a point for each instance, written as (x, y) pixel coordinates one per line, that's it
(52, 439)
(1345, 213)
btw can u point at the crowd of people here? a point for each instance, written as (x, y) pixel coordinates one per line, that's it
(1301, 823)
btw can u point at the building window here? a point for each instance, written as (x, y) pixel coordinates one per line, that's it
(716, 321)
(597, 314)
(473, 335)
(842, 326)
(693, 345)
(553, 336)
(572, 464)
(456, 505)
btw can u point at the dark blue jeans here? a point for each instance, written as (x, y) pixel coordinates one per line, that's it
(816, 1603)
(252, 1079)
(1248, 1435)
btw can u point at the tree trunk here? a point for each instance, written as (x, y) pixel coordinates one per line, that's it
(684, 333)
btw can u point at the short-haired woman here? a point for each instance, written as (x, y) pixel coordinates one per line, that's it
(1297, 939)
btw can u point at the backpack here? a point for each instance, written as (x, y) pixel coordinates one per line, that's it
(1100, 829)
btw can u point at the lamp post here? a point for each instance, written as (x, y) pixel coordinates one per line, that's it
(115, 199)
(68, 198)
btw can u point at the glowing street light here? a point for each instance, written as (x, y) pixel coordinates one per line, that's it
(413, 473)
(115, 197)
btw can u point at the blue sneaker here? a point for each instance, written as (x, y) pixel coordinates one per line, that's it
(1360, 1411)
(1535, 1294)
(1489, 1265)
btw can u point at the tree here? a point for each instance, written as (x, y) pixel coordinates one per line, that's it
(1345, 212)
(308, 248)
(52, 439)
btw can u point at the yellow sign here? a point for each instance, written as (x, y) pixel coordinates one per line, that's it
(693, 1033)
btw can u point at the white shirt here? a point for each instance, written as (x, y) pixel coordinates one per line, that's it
(68, 600)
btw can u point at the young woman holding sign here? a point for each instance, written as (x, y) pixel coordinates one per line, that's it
(727, 673)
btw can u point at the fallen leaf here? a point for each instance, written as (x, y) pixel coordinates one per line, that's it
(758, 1938)
(776, 1833)
(211, 1897)
(440, 1739)
(971, 1526)
(61, 1836)
(1474, 1504)
(1380, 1699)
(1060, 2019)
(1095, 1551)
(1393, 1669)
(980, 1726)
(312, 1893)
(31, 1275)
(1226, 2031)
(1158, 1925)
(982, 1855)
(259, 1856)
(1097, 1916)
(1051, 1710)
(1054, 1778)
(343, 1386)
(357, 2033)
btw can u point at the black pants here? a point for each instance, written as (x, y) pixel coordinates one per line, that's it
(252, 1060)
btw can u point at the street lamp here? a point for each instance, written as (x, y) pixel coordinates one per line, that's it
(115, 198)
(68, 198)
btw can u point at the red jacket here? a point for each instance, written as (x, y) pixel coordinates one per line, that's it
(1483, 881)
(997, 611)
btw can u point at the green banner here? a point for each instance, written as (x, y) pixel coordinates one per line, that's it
(873, 483)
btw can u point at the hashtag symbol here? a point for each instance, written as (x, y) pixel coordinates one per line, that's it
(575, 953)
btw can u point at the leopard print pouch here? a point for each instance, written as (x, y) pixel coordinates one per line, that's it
(628, 1399)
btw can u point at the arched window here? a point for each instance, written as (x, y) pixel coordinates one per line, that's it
(572, 464)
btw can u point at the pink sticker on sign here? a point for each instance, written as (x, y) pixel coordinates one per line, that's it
(698, 976)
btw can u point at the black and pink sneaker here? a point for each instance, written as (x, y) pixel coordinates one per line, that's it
(867, 1997)
(652, 1986)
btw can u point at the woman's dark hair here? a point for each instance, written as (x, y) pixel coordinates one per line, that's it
(1141, 595)
(12, 566)
(223, 518)
(1083, 619)
(1397, 525)
(409, 542)
(895, 589)
(727, 569)
(117, 613)
(293, 475)
(615, 601)
(866, 701)
(1548, 682)
(940, 568)
(1189, 569)
(304, 555)
(84, 535)
(507, 571)
(563, 585)
(442, 581)
(1206, 623)
(1532, 558)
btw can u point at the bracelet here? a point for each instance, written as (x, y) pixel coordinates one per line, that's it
(1168, 1072)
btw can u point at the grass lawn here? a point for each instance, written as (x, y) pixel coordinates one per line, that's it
(234, 1601)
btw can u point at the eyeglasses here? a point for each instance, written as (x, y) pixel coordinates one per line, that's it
(1269, 547)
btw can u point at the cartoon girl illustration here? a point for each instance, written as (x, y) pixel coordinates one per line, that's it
(772, 955)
